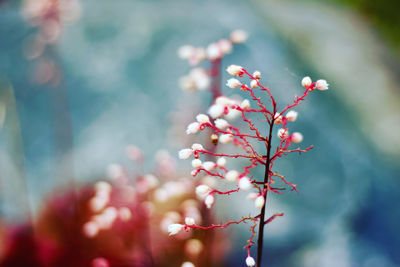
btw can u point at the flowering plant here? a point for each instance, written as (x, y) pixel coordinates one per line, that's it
(221, 111)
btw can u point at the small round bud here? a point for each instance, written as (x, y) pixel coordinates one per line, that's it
(196, 163)
(245, 104)
(238, 36)
(209, 165)
(306, 82)
(234, 70)
(202, 189)
(185, 153)
(225, 138)
(259, 202)
(221, 124)
(216, 111)
(189, 221)
(232, 176)
(185, 52)
(213, 51)
(278, 118)
(244, 183)
(296, 137)
(193, 128)
(233, 83)
(202, 118)
(175, 228)
(253, 84)
(209, 201)
(291, 115)
(197, 147)
(250, 262)
(223, 101)
(221, 162)
(257, 74)
(321, 85)
(225, 46)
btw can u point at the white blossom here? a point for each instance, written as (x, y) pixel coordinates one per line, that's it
(197, 147)
(257, 74)
(225, 138)
(223, 101)
(245, 104)
(221, 124)
(213, 51)
(202, 189)
(189, 221)
(253, 84)
(216, 111)
(250, 262)
(259, 202)
(282, 133)
(225, 46)
(244, 183)
(196, 163)
(209, 201)
(306, 82)
(221, 162)
(234, 69)
(209, 165)
(232, 175)
(193, 128)
(202, 118)
(291, 115)
(175, 228)
(185, 153)
(186, 51)
(321, 85)
(296, 137)
(233, 83)
(238, 36)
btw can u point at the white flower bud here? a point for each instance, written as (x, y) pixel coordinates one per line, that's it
(202, 189)
(197, 147)
(213, 51)
(245, 104)
(282, 133)
(250, 262)
(238, 36)
(291, 115)
(209, 165)
(259, 202)
(306, 82)
(253, 84)
(189, 221)
(209, 201)
(225, 46)
(185, 153)
(193, 128)
(216, 111)
(245, 183)
(225, 138)
(221, 162)
(202, 118)
(232, 176)
(233, 83)
(257, 74)
(296, 137)
(234, 70)
(196, 163)
(232, 114)
(187, 264)
(221, 124)
(185, 52)
(278, 118)
(175, 228)
(223, 101)
(252, 196)
(321, 85)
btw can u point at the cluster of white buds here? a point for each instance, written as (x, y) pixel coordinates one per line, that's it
(319, 84)
(197, 79)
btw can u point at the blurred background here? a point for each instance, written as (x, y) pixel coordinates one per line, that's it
(82, 80)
